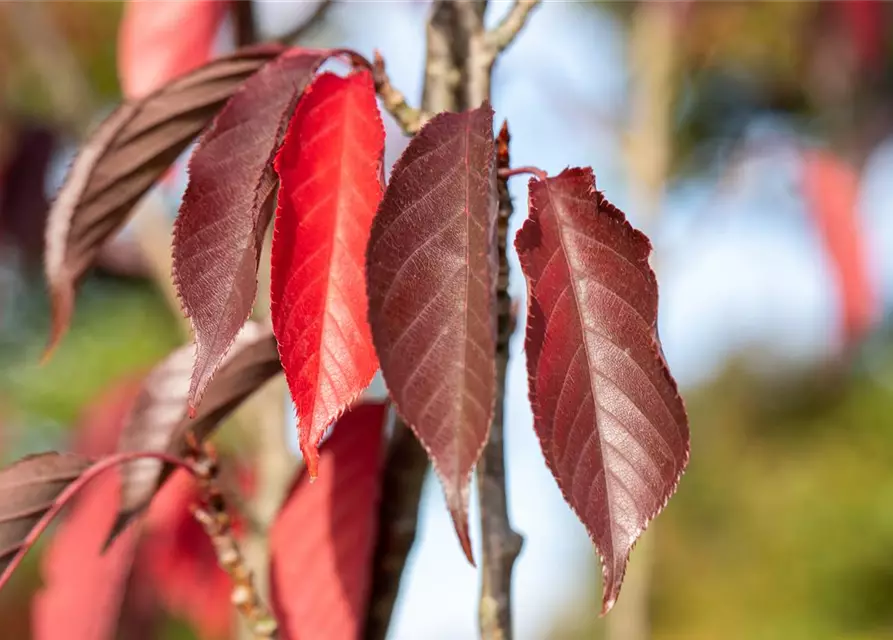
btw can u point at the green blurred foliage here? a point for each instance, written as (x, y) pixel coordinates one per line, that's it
(120, 327)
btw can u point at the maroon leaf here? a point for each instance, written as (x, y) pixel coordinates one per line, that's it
(29, 488)
(607, 412)
(322, 541)
(228, 205)
(121, 160)
(159, 421)
(431, 276)
(330, 173)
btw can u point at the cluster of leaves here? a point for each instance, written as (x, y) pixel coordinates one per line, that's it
(365, 275)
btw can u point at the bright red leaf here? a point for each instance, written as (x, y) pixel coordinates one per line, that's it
(322, 541)
(431, 269)
(159, 41)
(330, 185)
(228, 205)
(831, 189)
(612, 426)
(84, 587)
(84, 584)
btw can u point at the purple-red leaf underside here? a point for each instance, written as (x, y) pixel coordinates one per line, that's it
(228, 205)
(29, 488)
(122, 159)
(431, 270)
(607, 412)
(329, 170)
(322, 542)
(159, 421)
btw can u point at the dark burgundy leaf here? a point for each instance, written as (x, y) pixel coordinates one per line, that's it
(431, 270)
(121, 160)
(228, 205)
(322, 541)
(330, 185)
(23, 200)
(158, 41)
(159, 421)
(607, 412)
(29, 488)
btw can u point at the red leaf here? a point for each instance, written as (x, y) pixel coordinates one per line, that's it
(607, 412)
(84, 587)
(228, 205)
(831, 189)
(866, 22)
(431, 269)
(178, 558)
(159, 41)
(330, 185)
(322, 541)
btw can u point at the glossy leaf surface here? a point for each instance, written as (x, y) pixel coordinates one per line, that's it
(607, 412)
(330, 185)
(227, 208)
(121, 160)
(431, 269)
(322, 541)
(159, 41)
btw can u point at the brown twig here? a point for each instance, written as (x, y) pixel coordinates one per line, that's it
(409, 119)
(401, 492)
(244, 22)
(407, 461)
(459, 61)
(309, 24)
(504, 33)
(500, 543)
(215, 520)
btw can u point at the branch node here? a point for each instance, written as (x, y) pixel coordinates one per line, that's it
(409, 119)
(215, 520)
(504, 33)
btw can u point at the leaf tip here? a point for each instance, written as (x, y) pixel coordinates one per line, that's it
(62, 302)
(311, 459)
(458, 506)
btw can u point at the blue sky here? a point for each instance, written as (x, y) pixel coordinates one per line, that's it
(739, 270)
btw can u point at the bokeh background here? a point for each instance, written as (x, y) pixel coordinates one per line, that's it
(752, 141)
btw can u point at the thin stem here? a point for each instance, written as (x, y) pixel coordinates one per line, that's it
(503, 34)
(401, 492)
(244, 22)
(72, 489)
(504, 173)
(213, 517)
(500, 543)
(310, 23)
(409, 119)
